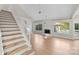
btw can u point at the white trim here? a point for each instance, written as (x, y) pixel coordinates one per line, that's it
(1, 44)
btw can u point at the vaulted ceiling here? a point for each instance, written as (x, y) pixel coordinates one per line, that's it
(48, 11)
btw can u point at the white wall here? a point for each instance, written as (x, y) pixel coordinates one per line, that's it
(49, 24)
(1, 7)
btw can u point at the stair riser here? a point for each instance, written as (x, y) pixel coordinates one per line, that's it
(17, 50)
(17, 38)
(13, 42)
(12, 45)
(3, 14)
(8, 25)
(6, 15)
(10, 50)
(9, 33)
(10, 37)
(19, 53)
(6, 20)
(5, 28)
(10, 30)
(10, 18)
(11, 21)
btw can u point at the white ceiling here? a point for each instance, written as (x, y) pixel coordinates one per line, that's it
(50, 11)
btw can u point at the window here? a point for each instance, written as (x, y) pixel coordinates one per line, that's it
(39, 27)
(61, 27)
(76, 26)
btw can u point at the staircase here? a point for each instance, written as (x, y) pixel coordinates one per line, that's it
(12, 38)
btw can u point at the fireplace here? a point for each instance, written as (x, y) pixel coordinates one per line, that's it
(47, 31)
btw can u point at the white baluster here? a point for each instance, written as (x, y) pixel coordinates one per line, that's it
(1, 45)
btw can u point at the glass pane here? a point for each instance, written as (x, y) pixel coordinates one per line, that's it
(39, 27)
(76, 26)
(61, 27)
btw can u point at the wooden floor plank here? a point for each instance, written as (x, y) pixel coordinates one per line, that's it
(54, 45)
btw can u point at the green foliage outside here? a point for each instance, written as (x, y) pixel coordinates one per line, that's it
(64, 26)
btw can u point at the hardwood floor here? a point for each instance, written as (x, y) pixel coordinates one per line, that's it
(54, 45)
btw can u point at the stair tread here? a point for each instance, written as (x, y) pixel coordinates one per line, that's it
(3, 23)
(7, 25)
(19, 52)
(17, 49)
(2, 13)
(7, 21)
(10, 30)
(15, 38)
(27, 52)
(5, 13)
(6, 17)
(11, 37)
(13, 44)
(13, 48)
(5, 28)
(10, 34)
(13, 32)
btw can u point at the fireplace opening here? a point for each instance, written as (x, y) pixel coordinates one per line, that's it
(47, 31)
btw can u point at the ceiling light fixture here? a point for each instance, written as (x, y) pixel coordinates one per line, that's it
(39, 12)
